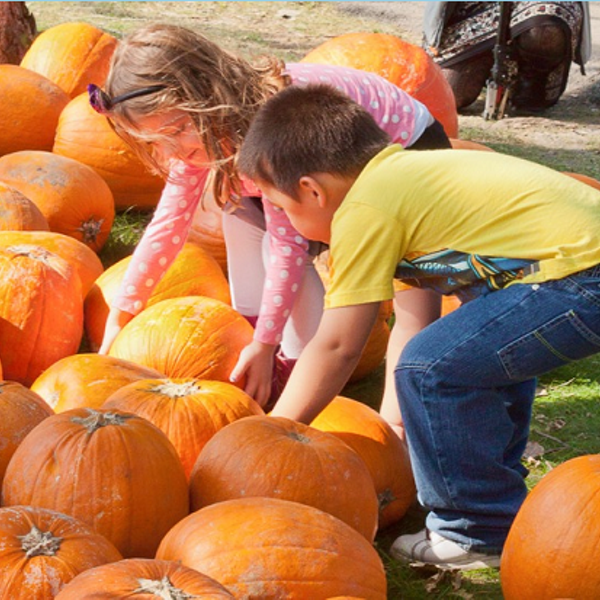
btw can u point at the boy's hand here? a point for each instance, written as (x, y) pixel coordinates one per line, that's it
(116, 320)
(256, 362)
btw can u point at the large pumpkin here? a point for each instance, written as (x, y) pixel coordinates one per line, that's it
(193, 273)
(86, 136)
(269, 548)
(406, 65)
(280, 458)
(21, 411)
(115, 471)
(41, 550)
(553, 543)
(19, 213)
(74, 199)
(81, 257)
(72, 55)
(143, 578)
(192, 336)
(41, 311)
(31, 105)
(372, 438)
(87, 380)
(188, 411)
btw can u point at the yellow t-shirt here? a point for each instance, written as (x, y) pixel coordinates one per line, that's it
(454, 219)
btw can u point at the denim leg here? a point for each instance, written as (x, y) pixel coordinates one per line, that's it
(466, 384)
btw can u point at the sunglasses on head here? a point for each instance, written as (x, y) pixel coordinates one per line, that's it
(102, 103)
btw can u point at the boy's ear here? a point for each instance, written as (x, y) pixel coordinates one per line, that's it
(311, 189)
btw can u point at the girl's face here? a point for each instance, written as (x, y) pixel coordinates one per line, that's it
(172, 134)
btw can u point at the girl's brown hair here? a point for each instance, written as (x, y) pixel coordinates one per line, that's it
(218, 90)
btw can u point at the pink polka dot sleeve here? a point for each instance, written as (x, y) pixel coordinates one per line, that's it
(163, 238)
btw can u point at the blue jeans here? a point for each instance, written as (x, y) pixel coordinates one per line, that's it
(466, 386)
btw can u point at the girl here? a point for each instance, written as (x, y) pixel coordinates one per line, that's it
(184, 105)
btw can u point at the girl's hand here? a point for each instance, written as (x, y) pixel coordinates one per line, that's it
(256, 363)
(116, 320)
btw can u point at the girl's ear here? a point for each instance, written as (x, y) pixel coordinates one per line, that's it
(312, 190)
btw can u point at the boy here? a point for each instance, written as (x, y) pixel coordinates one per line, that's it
(518, 241)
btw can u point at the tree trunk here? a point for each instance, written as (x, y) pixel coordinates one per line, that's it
(17, 30)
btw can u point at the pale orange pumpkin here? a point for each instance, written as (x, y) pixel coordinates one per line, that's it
(72, 55)
(87, 380)
(193, 273)
(21, 411)
(115, 471)
(31, 105)
(42, 550)
(74, 199)
(372, 438)
(86, 136)
(404, 64)
(192, 336)
(19, 213)
(188, 411)
(143, 578)
(270, 548)
(81, 257)
(41, 311)
(279, 458)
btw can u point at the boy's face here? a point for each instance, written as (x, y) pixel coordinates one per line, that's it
(307, 214)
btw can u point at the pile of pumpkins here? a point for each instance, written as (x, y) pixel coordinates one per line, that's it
(146, 470)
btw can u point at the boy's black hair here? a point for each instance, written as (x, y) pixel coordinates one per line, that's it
(311, 129)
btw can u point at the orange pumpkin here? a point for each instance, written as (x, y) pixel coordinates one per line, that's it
(188, 411)
(276, 549)
(406, 65)
(21, 411)
(72, 55)
(34, 333)
(87, 380)
(41, 550)
(81, 257)
(192, 336)
(450, 303)
(279, 458)
(193, 273)
(86, 136)
(372, 438)
(31, 105)
(19, 213)
(115, 471)
(143, 578)
(553, 542)
(74, 199)
(459, 144)
(585, 179)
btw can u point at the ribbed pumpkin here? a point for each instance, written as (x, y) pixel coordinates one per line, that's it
(74, 199)
(86, 136)
(280, 458)
(72, 55)
(193, 273)
(372, 438)
(276, 549)
(406, 65)
(115, 471)
(41, 311)
(552, 546)
(19, 213)
(87, 380)
(21, 411)
(144, 579)
(42, 550)
(192, 336)
(585, 179)
(81, 257)
(31, 105)
(188, 411)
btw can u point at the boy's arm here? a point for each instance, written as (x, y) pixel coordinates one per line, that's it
(327, 362)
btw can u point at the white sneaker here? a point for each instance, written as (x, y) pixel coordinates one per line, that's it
(430, 548)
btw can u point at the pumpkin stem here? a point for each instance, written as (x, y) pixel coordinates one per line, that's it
(386, 497)
(39, 543)
(97, 419)
(163, 589)
(176, 390)
(90, 230)
(299, 437)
